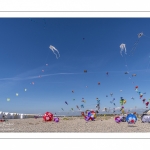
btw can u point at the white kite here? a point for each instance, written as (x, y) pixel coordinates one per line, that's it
(137, 41)
(53, 50)
(123, 48)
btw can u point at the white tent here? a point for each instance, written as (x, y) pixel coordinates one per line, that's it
(147, 112)
(16, 116)
(12, 115)
(21, 116)
(7, 115)
(1, 115)
(145, 118)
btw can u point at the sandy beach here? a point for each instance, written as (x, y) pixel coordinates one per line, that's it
(72, 124)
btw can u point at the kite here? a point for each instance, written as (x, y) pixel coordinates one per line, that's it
(85, 71)
(111, 94)
(72, 91)
(105, 109)
(32, 83)
(8, 99)
(90, 116)
(107, 73)
(133, 75)
(56, 119)
(46, 64)
(123, 48)
(113, 110)
(145, 118)
(66, 102)
(78, 107)
(98, 101)
(48, 116)
(97, 106)
(42, 70)
(53, 50)
(132, 98)
(62, 109)
(25, 90)
(98, 83)
(117, 119)
(74, 99)
(136, 43)
(147, 103)
(17, 94)
(126, 73)
(83, 100)
(122, 101)
(82, 106)
(121, 108)
(131, 119)
(144, 100)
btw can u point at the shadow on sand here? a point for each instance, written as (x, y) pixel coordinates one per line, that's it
(132, 126)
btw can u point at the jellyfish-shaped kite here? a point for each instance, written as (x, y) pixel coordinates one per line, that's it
(122, 48)
(54, 50)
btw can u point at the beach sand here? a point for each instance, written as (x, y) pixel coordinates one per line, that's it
(72, 124)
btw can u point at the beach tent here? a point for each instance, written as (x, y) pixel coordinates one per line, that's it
(22, 116)
(145, 118)
(11, 115)
(147, 112)
(1, 115)
(16, 116)
(7, 115)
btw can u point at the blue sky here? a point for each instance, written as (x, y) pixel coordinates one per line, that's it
(24, 53)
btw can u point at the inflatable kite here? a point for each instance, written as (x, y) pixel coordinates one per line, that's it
(91, 115)
(147, 103)
(145, 118)
(56, 119)
(131, 119)
(48, 116)
(117, 119)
